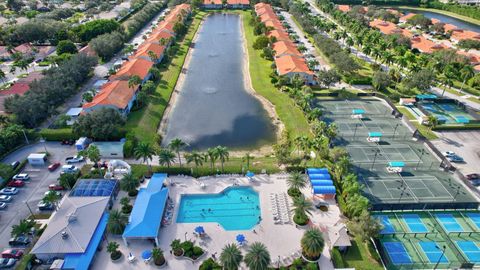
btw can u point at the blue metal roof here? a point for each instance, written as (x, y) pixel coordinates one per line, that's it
(148, 209)
(82, 261)
(396, 164)
(323, 176)
(358, 111)
(317, 171)
(322, 183)
(324, 190)
(92, 188)
(374, 134)
(426, 96)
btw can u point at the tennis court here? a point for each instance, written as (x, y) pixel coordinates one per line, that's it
(449, 223)
(414, 223)
(475, 218)
(433, 252)
(470, 249)
(447, 113)
(397, 253)
(383, 153)
(345, 107)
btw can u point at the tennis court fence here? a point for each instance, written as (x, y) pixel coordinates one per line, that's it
(385, 137)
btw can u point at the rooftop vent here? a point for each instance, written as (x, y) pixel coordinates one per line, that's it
(64, 235)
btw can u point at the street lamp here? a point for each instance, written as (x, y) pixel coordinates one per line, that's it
(377, 153)
(29, 209)
(25, 135)
(441, 256)
(42, 140)
(402, 193)
(355, 131)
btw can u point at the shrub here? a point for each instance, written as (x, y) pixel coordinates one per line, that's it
(294, 192)
(197, 251)
(210, 264)
(133, 193)
(312, 266)
(115, 255)
(301, 220)
(127, 209)
(128, 148)
(57, 134)
(337, 258)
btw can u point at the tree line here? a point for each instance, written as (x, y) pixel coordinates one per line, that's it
(465, 10)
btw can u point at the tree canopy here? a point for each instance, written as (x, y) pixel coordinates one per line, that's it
(103, 124)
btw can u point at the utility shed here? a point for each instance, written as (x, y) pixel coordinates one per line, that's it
(37, 159)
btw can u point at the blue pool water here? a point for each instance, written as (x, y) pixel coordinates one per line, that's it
(235, 208)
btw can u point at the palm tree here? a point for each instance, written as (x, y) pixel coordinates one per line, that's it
(176, 145)
(129, 183)
(312, 243)
(22, 228)
(2, 75)
(222, 154)
(135, 80)
(145, 151)
(196, 158)
(257, 257)
(157, 255)
(152, 56)
(466, 73)
(117, 222)
(302, 208)
(432, 121)
(166, 157)
(296, 181)
(247, 158)
(52, 197)
(212, 156)
(231, 257)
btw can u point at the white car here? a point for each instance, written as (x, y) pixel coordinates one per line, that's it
(48, 192)
(9, 191)
(448, 154)
(3, 205)
(5, 198)
(69, 169)
(21, 176)
(74, 159)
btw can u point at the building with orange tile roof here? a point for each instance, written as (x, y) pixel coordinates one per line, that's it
(476, 68)
(449, 27)
(473, 57)
(212, 4)
(405, 18)
(290, 66)
(274, 24)
(138, 66)
(218, 4)
(158, 35)
(116, 95)
(459, 34)
(285, 48)
(144, 49)
(166, 26)
(261, 5)
(279, 35)
(426, 46)
(343, 8)
(238, 3)
(435, 21)
(264, 9)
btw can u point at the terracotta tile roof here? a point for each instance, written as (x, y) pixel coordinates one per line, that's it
(137, 66)
(449, 27)
(238, 2)
(473, 57)
(114, 93)
(88, 51)
(24, 48)
(285, 47)
(477, 68)
(435, 21)
(261, 5)
(212, 2)
(406, 17)
(287, 64)
(461, 35)
(343, 8)
(394, 11)
(142, 51)
(263, 10)
(267, 16)
(16, 88)
(275, 24)
(166, 26)
(158, 34)
(279, 35)
(426, 46)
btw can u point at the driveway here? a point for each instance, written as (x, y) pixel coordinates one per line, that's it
(34, 189)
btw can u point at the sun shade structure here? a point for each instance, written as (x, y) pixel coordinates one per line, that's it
(426, 96)
(93, 188)
(325, 176)
(396, 164)
(199, 230)
(250, 174)
(241, 238)
(324, 190)
(82, 261)
(147, 254)
(321, 181)
(144, 221)
(461, 119)
(358, 111)
(311, 171)
(374, 134)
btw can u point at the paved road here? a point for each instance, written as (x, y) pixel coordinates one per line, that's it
(34, 190)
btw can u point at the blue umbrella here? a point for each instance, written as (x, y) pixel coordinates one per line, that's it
(241, 238)
(250, 174)
(146, 254)
(199, 230)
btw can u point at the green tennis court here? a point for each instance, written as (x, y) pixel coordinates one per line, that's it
(383, 153)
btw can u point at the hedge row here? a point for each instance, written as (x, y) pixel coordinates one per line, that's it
(457, 127)
(57, 134)
(337, 258)
(16, 171)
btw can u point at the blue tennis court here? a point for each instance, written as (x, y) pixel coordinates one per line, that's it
(387, 225)
(470, 249)
(475, 217)
(433, 252)
(397, 252)
(414, 223)
(449, 223)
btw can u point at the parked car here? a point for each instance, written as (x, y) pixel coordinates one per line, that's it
(55, 187)
(52, 167)
(455, 159)
(473, 176)
(69, 169)
(21, 176)
(7, 262)
(74, 159)
(16, 183)
(3, 205)
(45, 206)
(12, 253)
(5, 198)
(448, 154)
(15, 164)
(19, 241)
(9, 191)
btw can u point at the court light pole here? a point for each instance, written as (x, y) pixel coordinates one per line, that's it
(377, 152)
(441, 256)
(422, 152)
(402, 193)
(355, 131)
(395, 130)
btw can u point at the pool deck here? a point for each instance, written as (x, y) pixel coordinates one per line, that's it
(281, 240)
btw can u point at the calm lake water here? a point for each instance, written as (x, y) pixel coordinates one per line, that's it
(213, 107)
(446, 19)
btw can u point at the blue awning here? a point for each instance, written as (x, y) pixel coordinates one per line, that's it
(322, 176)
(461, 119)
(358, 111)
(147, 212)
(324, 190)
(82, 261)
(396, 164)
(426, 96)
(317, 171)
(374, 134)
(322, 183)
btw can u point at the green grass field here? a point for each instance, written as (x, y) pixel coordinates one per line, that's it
(144, 122)
(291, 116)
(359, 256)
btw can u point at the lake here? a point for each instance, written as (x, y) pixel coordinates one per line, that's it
(213, 107)
(446, 19)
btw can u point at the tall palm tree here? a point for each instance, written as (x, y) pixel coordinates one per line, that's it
(129, 183)
(247, 158)
(302, 208)
(466, 73)
(432, 121)
(152, 56)
(196, 158)
(312, 243)
(176, 145)
(257, 257)
(145, 151)
(166, 157)
(52, 197)
(231, 257)
(134, 81)
(22, 228)
(117, 222)
(296, 181)
(223, 154)
(212, 156)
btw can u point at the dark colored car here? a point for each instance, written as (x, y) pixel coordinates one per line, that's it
(68, 142)
(473, 176)
(15, 164)
(45, 206)
(12, 253)
(16, 183)
(55, 187)
(19, 241)
(52, 167)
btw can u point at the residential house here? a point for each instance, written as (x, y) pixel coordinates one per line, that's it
(279, 35)
(289, 65)
(282, 48)
(238, 4)
(158, 35)
(460, 34)
(343, 8)
(389, 28)
(425, 45)
(43, 52)
(449, 27)
(22, 85)
(146, 47)
(274, 24)
(116, 95)
(138, 66)
(472, 56)
(405, 18)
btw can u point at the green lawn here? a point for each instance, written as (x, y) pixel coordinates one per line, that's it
(424, 130)
(144, 122)
(359, 256)
(291, 116)
(447, 13)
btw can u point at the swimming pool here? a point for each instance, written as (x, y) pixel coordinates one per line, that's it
(235, 208)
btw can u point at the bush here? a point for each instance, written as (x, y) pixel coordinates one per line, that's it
(115, 255)
(127, 209)
(57, 134)
(337, 258)
(294, 192)
(197, 251)
(133, 193)
(301, 220)
(128, 149)
(210, 264)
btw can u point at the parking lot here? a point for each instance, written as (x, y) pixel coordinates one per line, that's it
(34, 189)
